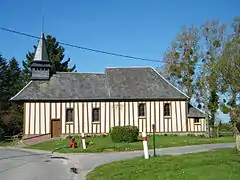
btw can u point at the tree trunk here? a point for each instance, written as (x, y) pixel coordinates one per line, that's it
(238, 141)
(233, 122)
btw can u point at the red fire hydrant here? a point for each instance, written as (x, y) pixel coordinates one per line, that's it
(73, 143)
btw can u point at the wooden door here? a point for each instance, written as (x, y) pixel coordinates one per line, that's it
(55, 128)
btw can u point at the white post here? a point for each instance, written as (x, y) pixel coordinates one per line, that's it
(83, 141)
(145, 145)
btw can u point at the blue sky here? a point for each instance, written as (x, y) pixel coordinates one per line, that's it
(137, 28)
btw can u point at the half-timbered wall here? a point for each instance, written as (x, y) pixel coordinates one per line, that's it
(196, 125)
(38, 117)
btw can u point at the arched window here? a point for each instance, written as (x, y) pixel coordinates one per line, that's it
(167, 111)
(141, 109)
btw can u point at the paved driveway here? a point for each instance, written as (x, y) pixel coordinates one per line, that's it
(40, 165)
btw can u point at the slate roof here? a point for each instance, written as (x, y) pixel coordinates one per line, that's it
(41, 54)
(116, 83)
(194, 112)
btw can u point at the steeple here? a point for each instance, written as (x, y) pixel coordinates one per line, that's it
(41, 64)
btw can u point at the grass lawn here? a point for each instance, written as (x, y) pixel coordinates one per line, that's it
(105, 144)
(213, 165)
(5, 143)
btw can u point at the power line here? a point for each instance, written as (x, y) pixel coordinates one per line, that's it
(95, 50)
(85, 48)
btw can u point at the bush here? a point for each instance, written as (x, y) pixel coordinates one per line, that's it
(124, 133)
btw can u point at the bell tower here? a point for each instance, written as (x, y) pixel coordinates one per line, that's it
(41, 66)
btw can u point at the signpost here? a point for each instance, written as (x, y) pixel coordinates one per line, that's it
(154, 148)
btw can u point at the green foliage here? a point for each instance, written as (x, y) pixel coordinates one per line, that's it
(11, 82)
(16, 121)
(213, 33)
(228, 70)
(124, 133)
(4, 90)
(181, 59)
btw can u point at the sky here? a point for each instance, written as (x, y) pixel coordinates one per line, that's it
(132, 27)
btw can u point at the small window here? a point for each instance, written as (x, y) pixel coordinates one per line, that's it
(69, 115)
(95, 115)
(196, 121)
(141, 109)
(167, 109)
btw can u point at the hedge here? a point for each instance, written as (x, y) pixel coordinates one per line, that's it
(124, 133)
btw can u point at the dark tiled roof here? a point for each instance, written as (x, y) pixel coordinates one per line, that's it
(194, 112)
(133, 83)
(66, 86)
(115, 83)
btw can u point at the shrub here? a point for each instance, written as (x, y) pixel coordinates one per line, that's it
(201, 135)
(124, 133)
(69, 137)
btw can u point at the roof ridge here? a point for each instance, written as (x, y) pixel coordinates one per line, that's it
(197, 108)
(128, 67)
(62, 72)
(170, 83)
(21, 90)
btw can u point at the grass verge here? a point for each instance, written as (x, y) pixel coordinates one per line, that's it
(4, 144)
(98, 144)
(213, 165)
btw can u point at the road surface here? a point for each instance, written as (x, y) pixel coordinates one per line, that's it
(40, 165)
(17, 164)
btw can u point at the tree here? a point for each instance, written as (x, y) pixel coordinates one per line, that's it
(213, 38)
(3, 82)
(15, 78)
(56, 56)
(3, 92)
(11, 83)
(190, 65)
(11, 117)
(228, 69)
(15, 81)
(181, 59)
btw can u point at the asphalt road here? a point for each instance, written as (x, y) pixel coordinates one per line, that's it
(40, 165)
(16, 164)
